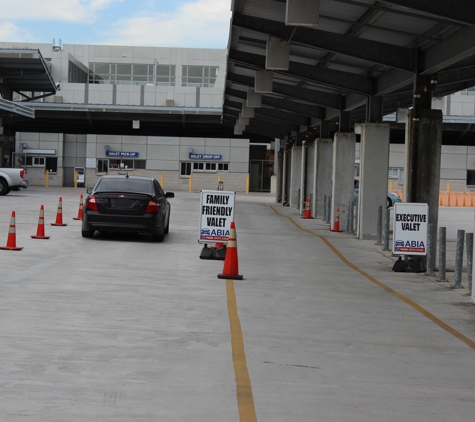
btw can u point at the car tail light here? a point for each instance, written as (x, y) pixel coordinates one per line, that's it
(91, 204)
(152, 207)
(22, 173)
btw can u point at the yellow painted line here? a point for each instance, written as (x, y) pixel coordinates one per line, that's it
(405, 299)
(247, 412)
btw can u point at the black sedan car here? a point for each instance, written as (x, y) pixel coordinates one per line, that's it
(129, 204)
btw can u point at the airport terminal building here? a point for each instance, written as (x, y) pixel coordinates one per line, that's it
(130, 81)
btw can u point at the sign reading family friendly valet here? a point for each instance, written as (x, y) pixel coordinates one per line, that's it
(410, 228)
(217, 213)
(121, 154)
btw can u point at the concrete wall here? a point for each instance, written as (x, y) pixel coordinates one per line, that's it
(163, 155)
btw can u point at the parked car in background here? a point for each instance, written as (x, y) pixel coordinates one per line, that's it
(12, 179)
(390, 200)
(129, 204)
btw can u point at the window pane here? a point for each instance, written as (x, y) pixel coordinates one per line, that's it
(163, 70)
(140, 69)
(124, 69)
(101, 68)
(195, 71)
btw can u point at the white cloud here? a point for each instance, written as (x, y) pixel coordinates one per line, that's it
(203, 23)
(63, 10)
(12, 33)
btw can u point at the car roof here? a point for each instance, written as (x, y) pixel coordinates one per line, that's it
(123, 176)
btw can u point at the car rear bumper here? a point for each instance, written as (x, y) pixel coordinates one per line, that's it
(151, 223)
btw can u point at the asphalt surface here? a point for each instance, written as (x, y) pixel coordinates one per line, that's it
(120, 328)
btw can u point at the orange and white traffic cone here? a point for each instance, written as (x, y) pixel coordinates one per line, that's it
(307, 213)
(81, 203)
(59, 214)
(230, 269)
(40, 231)
(11, 239)
(336, 224)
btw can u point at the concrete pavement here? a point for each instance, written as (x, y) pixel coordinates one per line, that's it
(119, 328)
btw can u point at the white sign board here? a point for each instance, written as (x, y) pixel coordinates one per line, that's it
(410, 229)
(216, 215)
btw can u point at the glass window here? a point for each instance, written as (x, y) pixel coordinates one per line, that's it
(199, 76)
(128, 74)
(471, 177)
(102, 166)
(140, 69)
(51, 164)
(393, 172)
(223, 166)
(185, 169)
(124, 69)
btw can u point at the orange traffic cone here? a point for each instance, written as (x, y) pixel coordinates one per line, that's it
(307, 213)
(230, 269)
(336, 224)
(40, 232)
(81, 203)
(59, 214)
(11, 239)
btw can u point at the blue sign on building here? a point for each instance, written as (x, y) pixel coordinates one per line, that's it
(121, 154)
(205, 157)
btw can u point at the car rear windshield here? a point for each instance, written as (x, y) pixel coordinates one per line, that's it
(125, 185)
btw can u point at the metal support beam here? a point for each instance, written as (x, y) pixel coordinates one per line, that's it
(373, 51)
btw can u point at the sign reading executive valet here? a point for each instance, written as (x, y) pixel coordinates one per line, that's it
(410, 229)
(217, 213)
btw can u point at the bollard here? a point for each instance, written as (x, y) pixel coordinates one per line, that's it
(386, 231)
(324, 208)
(430, 249)
(469, 241)
(379, 235)
(442, 254)
(458, 260)
(190, 183)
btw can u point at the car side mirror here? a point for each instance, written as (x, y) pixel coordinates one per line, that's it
(169, 194)
(89, 190)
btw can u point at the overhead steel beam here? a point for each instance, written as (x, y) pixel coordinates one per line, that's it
(230, 110)
(320, 98)
(463, 11)
(449, 51)
(296, 119)
(293, 106)
(341, 81)
(373, 51)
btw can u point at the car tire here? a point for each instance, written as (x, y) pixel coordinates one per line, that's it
(4, 189)
(389, 203)
(158, 237)
(87, 233)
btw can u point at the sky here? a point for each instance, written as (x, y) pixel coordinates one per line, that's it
(158, 23)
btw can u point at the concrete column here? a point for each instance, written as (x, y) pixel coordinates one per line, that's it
(285, 185)
(295, 176)
(374, 163)
(324, 172)
(303, 177)
(423, 155)
(343, 175)
(311, 176)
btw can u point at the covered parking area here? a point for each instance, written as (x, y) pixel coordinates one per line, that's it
(307, 72)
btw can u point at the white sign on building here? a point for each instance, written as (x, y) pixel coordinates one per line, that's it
(410, 228)
(216, 215)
